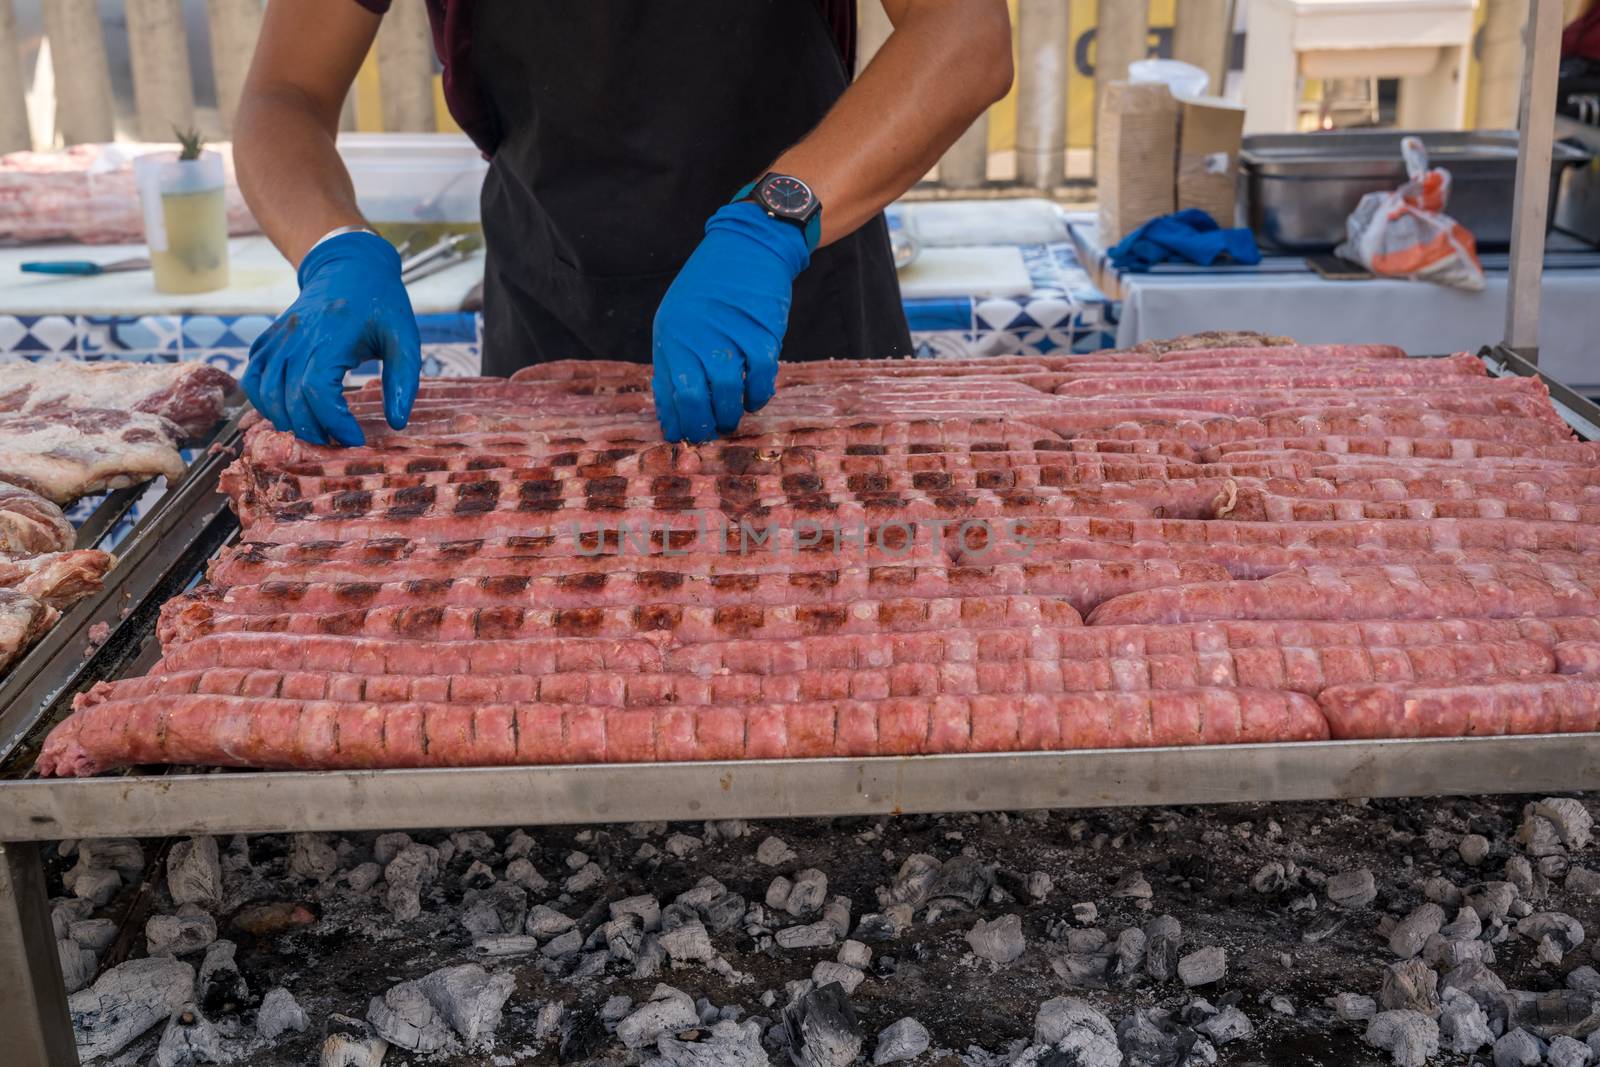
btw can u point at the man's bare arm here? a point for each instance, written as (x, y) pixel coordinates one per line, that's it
(291, 175)
(945, 62)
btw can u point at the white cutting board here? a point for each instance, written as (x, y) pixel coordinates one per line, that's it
(972, 271)
(261, 283)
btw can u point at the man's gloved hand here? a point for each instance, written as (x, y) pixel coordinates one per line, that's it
(720, 326)
(352, 307)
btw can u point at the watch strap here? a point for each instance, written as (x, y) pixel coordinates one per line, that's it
(812, 228)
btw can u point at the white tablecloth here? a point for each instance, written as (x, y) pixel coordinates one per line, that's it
(1419, 317)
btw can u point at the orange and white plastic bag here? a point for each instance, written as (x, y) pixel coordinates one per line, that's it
(1406, 234)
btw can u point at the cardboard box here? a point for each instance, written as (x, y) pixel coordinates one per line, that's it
(1210, 132)
(1137, 156)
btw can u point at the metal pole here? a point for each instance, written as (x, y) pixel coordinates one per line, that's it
(1044, 58)
(35, 1028)
(1531, 200)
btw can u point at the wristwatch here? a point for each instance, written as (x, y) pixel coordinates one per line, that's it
(783, 196)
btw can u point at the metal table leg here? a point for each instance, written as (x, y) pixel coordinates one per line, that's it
(35, 1029)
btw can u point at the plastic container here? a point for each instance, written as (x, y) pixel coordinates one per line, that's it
(1183, 80)
(416, 188)
(185, 205)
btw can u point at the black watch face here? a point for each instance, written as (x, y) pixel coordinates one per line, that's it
(786, 196)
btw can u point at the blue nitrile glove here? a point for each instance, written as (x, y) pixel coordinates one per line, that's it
(720, 326)
(352, 307)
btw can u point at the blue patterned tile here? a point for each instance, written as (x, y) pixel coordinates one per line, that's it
(451, 360)
(244, 329)
(944, 344)
(939, 313)
(53, 336)
(150, 334)
(203, 331)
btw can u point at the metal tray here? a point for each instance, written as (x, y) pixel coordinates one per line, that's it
(1297, 189)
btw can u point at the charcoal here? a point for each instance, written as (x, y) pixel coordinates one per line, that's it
(646, 908)
(1352, 889)
(808, 894)
(848, 978)
(1203, 967)
(190, 1038)
(312, 858)
(1411, 933)
(1463, 1026)
(774, 853)
(468, 998)
(77, 964)
(724, 1044)
(1570, 818)
(1473, 849)
(1518, 1048)
(221, 988)
(822, 1029)
(1409, 985)
(1408, 1036)
(1229, 1024)
(350, 1042)
(1000, 941)
(905, 1039)
(97, 885)
(1566, 1051)
(668, 1010)
(194, 873)
(279, 1012)
(126, 1001)
(179, 935)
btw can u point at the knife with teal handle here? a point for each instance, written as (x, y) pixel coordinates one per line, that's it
(84, 268)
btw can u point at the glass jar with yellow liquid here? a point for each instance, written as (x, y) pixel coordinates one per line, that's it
(185, 220)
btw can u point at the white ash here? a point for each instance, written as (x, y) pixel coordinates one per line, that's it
(179, 935)
(807, 894)
(1463, 1024)
(77, 964)
(1409, 985)
(363, 876)
(999, 941)
(351, 1043)
(905, 1039)
(219, 987)
(194, 873)
(414, 865)
(387, 846)
(809, 935)
(97, 885)
(683, 846)
(469, 999)
(126, 1001)
(312, 858)
(1075, 1027)
(855, 954)
(545, 922)
(588, 877)
(522, 872)
(279, 1013)
(1229, 1024)
(1085, 912)
(726, 1044)
(773, 852)
(190, 1038)
(1492, 900)
(1352, 889)
(1555, 933)
(726, 829)
(1410, 1037)
(688, 943)
(836, 913)
(1473, 849)
(822, 1029)
(1353, 1007)
(1203, 966)
(1570, 818)
(1566, 1051)
(1518, 1049)
(1412, 932)
(668, 1010)
(472, 842)
(647, 909)
(849, 978)
(1039, 885)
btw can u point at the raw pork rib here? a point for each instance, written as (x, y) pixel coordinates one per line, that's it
(29, 523)
(22, 620)
(1274, 543)
(59, 579)
(190, 395)
(72, 453)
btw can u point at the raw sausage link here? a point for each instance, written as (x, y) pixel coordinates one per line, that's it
(1578, 657)
(1545, 705)
(1249, 504)
(264, 732)
(1423, 592)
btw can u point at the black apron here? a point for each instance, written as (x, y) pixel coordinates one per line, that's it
(620, 127)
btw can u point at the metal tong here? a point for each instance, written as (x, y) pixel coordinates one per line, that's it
(446, 252)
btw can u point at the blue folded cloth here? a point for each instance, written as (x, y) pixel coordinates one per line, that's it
(1191, 236)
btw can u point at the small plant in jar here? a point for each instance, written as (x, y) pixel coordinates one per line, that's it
(184, 198)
